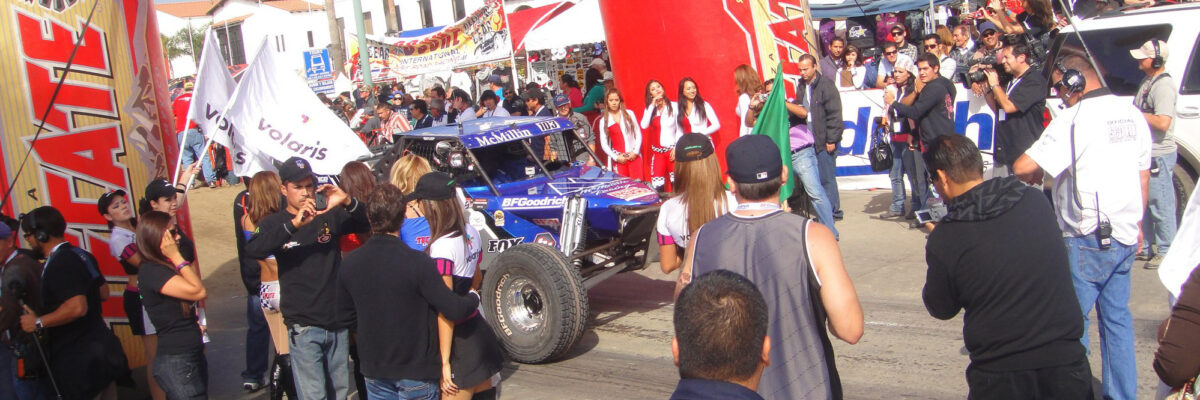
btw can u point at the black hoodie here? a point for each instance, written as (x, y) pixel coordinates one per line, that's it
(999, 255)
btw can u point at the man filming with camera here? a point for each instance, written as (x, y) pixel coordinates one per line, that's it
(1019, 104)
(1098, 151)
(20, 281)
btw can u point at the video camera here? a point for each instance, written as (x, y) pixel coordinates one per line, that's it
(976, 76)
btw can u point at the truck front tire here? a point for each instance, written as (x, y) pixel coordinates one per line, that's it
(536, 302)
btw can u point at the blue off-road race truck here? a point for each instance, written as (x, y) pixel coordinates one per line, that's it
(553, 224)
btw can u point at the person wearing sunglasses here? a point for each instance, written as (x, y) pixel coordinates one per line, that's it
(887, 64)
(989, 36)
(932, 44)
(900, 38)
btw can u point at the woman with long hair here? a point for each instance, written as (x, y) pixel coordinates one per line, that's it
(357, 181)
(404, 175)
(700, 197)
(114, 206)
(748, 85)
(471, 354)
(621, 137)
(169, 290)
(695, 115)
(851, 74)
(661, 132)
(264, 201)
(595, 94)
(161, 196)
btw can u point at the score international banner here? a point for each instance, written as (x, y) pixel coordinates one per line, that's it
(479, 38)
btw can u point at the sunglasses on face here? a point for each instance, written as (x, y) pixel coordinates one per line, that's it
(889, 53)
(897, 33)
(990, 34)
(931, 46)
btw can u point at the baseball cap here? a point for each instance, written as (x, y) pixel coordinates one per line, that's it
(5, 231)
(986, 25)
(188, 85)
(753, 159)
(906, 64)
(295, 169)
(106, 200)
(608, 75)
(494, 79)
(693, 146)
(158, 189)
(433, 186)
(561, 100)
(1147, 50)
(596, 62)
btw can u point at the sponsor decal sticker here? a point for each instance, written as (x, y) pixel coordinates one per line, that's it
(552, 223)
(525, 203)
(498, 216)
(631, 192)
(499, 245)
(544, 238)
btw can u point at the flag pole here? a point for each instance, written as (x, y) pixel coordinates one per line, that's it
(512, 55)
(188, 121)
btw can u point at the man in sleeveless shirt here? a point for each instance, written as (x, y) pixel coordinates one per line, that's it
(802, 284)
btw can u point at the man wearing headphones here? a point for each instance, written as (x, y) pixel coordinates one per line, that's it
(1156, 98)
(1098, 152)
(84, 357)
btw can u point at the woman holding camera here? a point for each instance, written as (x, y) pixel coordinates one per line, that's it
(748, 85)
(170, 289)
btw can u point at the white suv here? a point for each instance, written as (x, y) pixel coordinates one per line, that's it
(1111, 36)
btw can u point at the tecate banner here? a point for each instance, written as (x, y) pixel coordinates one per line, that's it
(110, 127)
(479, 38)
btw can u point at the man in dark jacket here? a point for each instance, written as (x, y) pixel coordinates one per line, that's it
(305, 241)
(933, 110)
(819, 105)
(997, 255)
(397, 347)
(20, 282)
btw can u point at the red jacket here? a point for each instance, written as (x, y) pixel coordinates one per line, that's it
(180, 109)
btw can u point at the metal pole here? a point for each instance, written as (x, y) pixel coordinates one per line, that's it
(192, 47)
(512, 56)
(364, 60)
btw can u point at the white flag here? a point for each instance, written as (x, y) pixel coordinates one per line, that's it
(214, 87)
(279, 116)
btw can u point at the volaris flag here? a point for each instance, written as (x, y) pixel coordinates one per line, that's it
(214, 87)
(279, 116)
(773, 122)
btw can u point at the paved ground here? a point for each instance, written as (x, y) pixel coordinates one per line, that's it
(626, 353)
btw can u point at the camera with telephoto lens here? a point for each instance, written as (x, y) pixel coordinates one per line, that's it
(978, 75)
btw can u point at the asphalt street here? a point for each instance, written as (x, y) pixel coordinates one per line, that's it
(626, 352)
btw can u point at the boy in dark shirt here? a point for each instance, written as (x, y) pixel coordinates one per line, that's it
(305, 241)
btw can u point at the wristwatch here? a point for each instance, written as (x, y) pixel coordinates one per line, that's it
(38, 323)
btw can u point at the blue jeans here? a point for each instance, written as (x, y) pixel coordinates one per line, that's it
(900, 158)
(386, 389)
(804, 166)
(193, 149)
(12, 387)
(827, 164)
(182, 376)
(918, 181)
(1158, 225)
(320, 361)
(258, 341)
(1101, 279)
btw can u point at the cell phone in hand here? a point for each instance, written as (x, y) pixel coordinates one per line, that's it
(320, 202)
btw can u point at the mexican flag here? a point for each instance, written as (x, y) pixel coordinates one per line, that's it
(773, 122)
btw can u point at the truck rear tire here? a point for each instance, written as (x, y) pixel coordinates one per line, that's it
(1185, 182)
(535, 300)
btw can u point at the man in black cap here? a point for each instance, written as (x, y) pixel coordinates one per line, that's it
(802, 285)
(20, 282)
(304, 240)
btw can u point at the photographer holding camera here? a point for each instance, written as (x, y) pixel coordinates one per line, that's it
(1019, 104)
(20, 283)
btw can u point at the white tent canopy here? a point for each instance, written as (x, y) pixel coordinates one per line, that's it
(577, 25)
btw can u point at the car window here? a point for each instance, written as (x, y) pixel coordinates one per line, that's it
(1111, 49)
(1191, 82)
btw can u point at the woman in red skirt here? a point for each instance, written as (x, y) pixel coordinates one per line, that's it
(620, 137)
(662, 131)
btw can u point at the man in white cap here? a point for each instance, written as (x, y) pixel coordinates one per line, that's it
(1156, 99)
(599, 65)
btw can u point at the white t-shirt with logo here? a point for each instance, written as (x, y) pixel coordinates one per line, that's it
(118, 240)
(1112, 147)
(672, 223)
(451, 253)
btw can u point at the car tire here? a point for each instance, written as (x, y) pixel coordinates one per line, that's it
(1184, 180)
(536, 302)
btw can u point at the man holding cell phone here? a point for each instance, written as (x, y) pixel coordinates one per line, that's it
(304, 238)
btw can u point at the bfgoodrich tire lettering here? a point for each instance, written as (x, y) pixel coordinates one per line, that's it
(536, 302)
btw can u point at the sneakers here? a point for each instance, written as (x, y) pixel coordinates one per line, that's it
(891, 214)
(1154, 262)
(251, 387)
(1143, 256)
